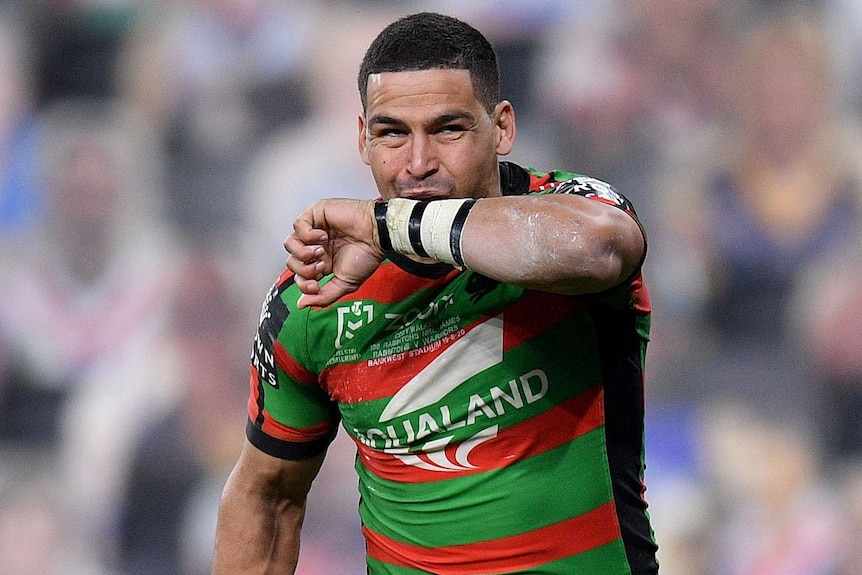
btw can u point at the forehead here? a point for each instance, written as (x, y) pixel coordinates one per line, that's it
(435, 89)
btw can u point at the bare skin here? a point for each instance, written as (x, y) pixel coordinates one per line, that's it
(425, 136)
(261, 513)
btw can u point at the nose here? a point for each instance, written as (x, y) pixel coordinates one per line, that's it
(423, 157)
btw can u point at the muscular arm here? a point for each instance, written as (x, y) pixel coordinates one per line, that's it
(558, 243)
(261, 512)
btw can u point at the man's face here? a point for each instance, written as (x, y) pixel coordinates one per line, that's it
(426, 136)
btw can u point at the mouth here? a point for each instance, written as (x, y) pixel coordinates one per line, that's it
(424, 195)
(428, 189)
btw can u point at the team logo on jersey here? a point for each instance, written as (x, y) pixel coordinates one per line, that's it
(417, 410)
(350, 319)
(436, 458)
(591, 187)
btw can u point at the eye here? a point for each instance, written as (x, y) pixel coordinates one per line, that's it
(452, 128)
(451, 132)
(390, 132)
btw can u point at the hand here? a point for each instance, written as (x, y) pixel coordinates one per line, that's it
(338, 237)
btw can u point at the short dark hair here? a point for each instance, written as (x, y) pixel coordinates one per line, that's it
(429, 41)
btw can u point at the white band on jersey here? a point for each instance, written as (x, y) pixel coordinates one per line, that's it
(427, 229)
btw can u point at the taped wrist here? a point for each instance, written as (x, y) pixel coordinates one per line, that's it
(427, 229)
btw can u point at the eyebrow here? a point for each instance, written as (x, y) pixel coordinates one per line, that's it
(438, 121)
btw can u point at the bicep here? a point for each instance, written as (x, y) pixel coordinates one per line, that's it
(557, 242)
(280, 479)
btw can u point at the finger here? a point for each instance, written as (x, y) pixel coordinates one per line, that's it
(306, 300)
(303, 228)
(315, 300)
(315, 269)
(328, 293)
(305, 253)
(303, 250)
(307, 285)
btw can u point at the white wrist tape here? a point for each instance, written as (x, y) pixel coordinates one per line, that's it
(427, 229)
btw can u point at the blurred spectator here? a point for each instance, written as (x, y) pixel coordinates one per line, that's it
(776, 514)
(780, 192)
(218, 77)
(681, 509)
(84, 294)
(290, 168)
(629, 82)
(84, 288)
(181, 457)
(34, 518)
(19, 200)
(79, 45)
(829, 302)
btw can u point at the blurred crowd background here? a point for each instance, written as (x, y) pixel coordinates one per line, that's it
(153, 154)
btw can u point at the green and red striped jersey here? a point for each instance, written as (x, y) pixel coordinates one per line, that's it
(499, 430)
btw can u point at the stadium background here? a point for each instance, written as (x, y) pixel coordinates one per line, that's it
(153, 154)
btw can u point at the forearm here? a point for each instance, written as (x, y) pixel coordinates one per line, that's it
(257, 531)
(564, 244)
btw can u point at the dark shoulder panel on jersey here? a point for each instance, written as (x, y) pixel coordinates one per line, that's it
(594, 189)
(273, 315)
(514, 180)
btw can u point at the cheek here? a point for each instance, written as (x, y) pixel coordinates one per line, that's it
(472, 162)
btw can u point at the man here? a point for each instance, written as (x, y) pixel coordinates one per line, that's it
(479, 332)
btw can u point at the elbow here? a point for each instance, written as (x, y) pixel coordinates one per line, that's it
(612, 252)
(626, 250)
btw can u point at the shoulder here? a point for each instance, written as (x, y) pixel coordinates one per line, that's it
(515, 180)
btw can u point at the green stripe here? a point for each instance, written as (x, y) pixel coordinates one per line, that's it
(504, 502)
(576, 371)
(609, 559)
(376, 567)
(281, 403)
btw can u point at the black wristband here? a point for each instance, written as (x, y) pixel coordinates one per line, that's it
(457, 228)
(414, 228)
(380, 208)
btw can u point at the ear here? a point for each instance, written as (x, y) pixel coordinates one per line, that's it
(363, 143)
(504, 121)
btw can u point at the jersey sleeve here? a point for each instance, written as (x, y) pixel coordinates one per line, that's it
(631, 292)
(289, 415)
(597, 190)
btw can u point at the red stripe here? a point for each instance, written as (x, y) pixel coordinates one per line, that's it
(640, 295)
(285, 274)
(522, 321)
(275, 429)
(391, 284)
(254, 394)
(385, 379)
(551, 543)
(280, 431)
(552, 428)
(291, 367)
(537, 183)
